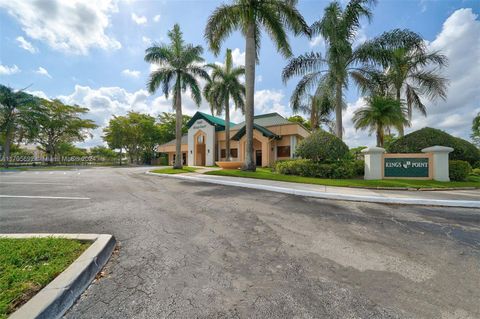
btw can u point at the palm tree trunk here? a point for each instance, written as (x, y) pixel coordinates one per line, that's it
(227, 128)
(338, 110)
(120, 156)
(250, 60)
(178, 127)
(401, 131)
(6, 155)
(313, 115)
(379, 136)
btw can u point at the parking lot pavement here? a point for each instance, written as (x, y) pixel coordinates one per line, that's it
(195, 250)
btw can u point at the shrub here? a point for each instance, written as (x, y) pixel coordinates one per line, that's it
(426, 137)
(358, 168)
(308, 168)
(459, 170)
(476, 164)
(476, 171)
(323, 147)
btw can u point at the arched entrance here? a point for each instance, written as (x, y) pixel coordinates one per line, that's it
(200, 154)
(257, 148)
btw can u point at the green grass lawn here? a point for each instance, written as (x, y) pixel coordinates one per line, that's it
(170, 170)
(264, 173)
(27, 265)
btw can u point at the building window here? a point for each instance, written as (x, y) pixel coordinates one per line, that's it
(283, 151)
(200, 139)
(233, 153)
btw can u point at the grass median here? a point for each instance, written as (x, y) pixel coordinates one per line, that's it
(27, 265)
(264, 173)
(170, 170)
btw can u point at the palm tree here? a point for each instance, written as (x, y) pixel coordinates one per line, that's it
(250, 16)
(225, 84)
(412, 71)
(19, 112)
(338, 27)
(178, 71)
(380, 114)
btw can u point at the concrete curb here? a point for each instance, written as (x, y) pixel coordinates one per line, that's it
(333, 196)
(60, 294)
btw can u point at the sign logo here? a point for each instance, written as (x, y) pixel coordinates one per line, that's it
(406, 167)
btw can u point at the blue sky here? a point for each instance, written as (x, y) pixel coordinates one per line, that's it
(91, 53)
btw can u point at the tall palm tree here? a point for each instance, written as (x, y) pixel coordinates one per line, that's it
(178, 71)
(225, 85)
(380, 114)
(19, 112)
(339, 28)
(250, 16)
(412, 70)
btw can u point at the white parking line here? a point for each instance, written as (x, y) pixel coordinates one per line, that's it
(42, 197)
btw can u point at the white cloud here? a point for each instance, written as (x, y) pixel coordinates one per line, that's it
(156, 18)
(131, 73)
(24, 44)
(459, 40)
(259, 79)
(39, 94)
(146, 40)
(43, 71)
(139, 19)
(9, 70)
(317, 41)
(72, 26)
(238, 57)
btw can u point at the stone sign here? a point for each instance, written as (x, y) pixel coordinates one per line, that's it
(432, 163)
(406, 167)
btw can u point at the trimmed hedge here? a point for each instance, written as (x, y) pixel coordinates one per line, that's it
(426, 137)
(459, 170)
(322, 147)
(308, 168)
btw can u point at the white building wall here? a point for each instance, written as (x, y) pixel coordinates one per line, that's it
(209, 130)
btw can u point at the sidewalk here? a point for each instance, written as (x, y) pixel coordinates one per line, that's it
(452, 198)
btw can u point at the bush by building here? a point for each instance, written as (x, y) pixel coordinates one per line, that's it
(322, 147)
(426, 137)
(308, 168)
(459, 170)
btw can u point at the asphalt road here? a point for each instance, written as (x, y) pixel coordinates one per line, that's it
(193, 250)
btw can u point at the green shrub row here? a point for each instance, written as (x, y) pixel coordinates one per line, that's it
(308, 168)
(426, 137)
(459, 170)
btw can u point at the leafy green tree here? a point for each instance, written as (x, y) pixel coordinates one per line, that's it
(114, 135)
(137, 133)
(412, 71)
(103, 152)
(225, 85)
(380, 114)
(167, 122)
(178, 71)
(61, 123)
(339, 28)
(476, 130)
(67, 149)
(19, 115)
(249, 17)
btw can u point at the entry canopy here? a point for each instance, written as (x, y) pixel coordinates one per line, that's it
(266, 132)
(212, 120)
